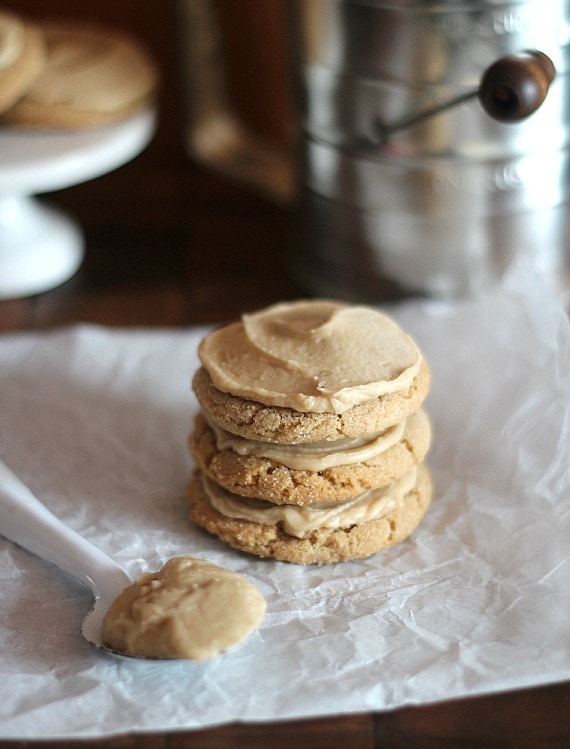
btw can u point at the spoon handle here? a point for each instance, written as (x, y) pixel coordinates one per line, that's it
(27, 522)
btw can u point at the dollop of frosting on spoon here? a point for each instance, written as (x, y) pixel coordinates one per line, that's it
(190, 609)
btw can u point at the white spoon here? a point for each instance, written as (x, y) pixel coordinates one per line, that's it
(27, 522)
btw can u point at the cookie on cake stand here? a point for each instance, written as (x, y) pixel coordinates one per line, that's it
(40, 246)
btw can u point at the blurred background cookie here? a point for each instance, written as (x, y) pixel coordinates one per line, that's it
(91, 76)
(22, 57)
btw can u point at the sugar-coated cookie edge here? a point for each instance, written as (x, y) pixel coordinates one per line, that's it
(325, 546)
(250, 476)
(256, 421)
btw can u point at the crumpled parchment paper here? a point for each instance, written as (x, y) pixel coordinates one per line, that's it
(96, 420)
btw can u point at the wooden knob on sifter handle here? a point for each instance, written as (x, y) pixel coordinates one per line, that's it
(514, 87)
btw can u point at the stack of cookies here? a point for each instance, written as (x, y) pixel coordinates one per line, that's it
(70, 75)
(311, 439)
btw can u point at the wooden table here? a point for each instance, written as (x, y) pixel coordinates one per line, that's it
(170, 244)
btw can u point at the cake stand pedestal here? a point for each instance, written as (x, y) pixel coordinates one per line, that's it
(40, 246)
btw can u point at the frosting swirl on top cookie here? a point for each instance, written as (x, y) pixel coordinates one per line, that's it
(315, 356)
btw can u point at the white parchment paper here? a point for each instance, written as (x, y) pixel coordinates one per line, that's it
(96, 420)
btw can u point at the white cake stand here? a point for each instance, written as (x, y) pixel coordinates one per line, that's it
(41, 247)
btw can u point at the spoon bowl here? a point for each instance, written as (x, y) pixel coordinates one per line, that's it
(115, 582)
(28, 523)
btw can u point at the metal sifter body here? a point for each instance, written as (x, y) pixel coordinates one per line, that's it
(440, 207)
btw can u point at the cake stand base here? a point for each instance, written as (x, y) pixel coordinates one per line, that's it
(40, 247)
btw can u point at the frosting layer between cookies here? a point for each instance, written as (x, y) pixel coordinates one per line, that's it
(298, 521)
(188, 609)
(312, 356)
(313, 456)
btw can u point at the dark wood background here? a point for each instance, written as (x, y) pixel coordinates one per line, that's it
(169, 243)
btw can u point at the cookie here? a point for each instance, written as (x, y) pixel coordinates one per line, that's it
(256, 421)
(311, 439)
(22, 57)
(91, 76)
(320, 546)
(251, 475)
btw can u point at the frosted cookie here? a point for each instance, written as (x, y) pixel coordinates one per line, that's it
(309, 371)
(309, 473)
(91, 76)
(254, 420)
(311, 439)
(353, 530)
(22, 57)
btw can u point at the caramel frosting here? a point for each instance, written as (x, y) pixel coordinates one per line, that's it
(188, 609)
(91, 69)
(314, 356)
(312, 456)
(11, 39)
(373, 504)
